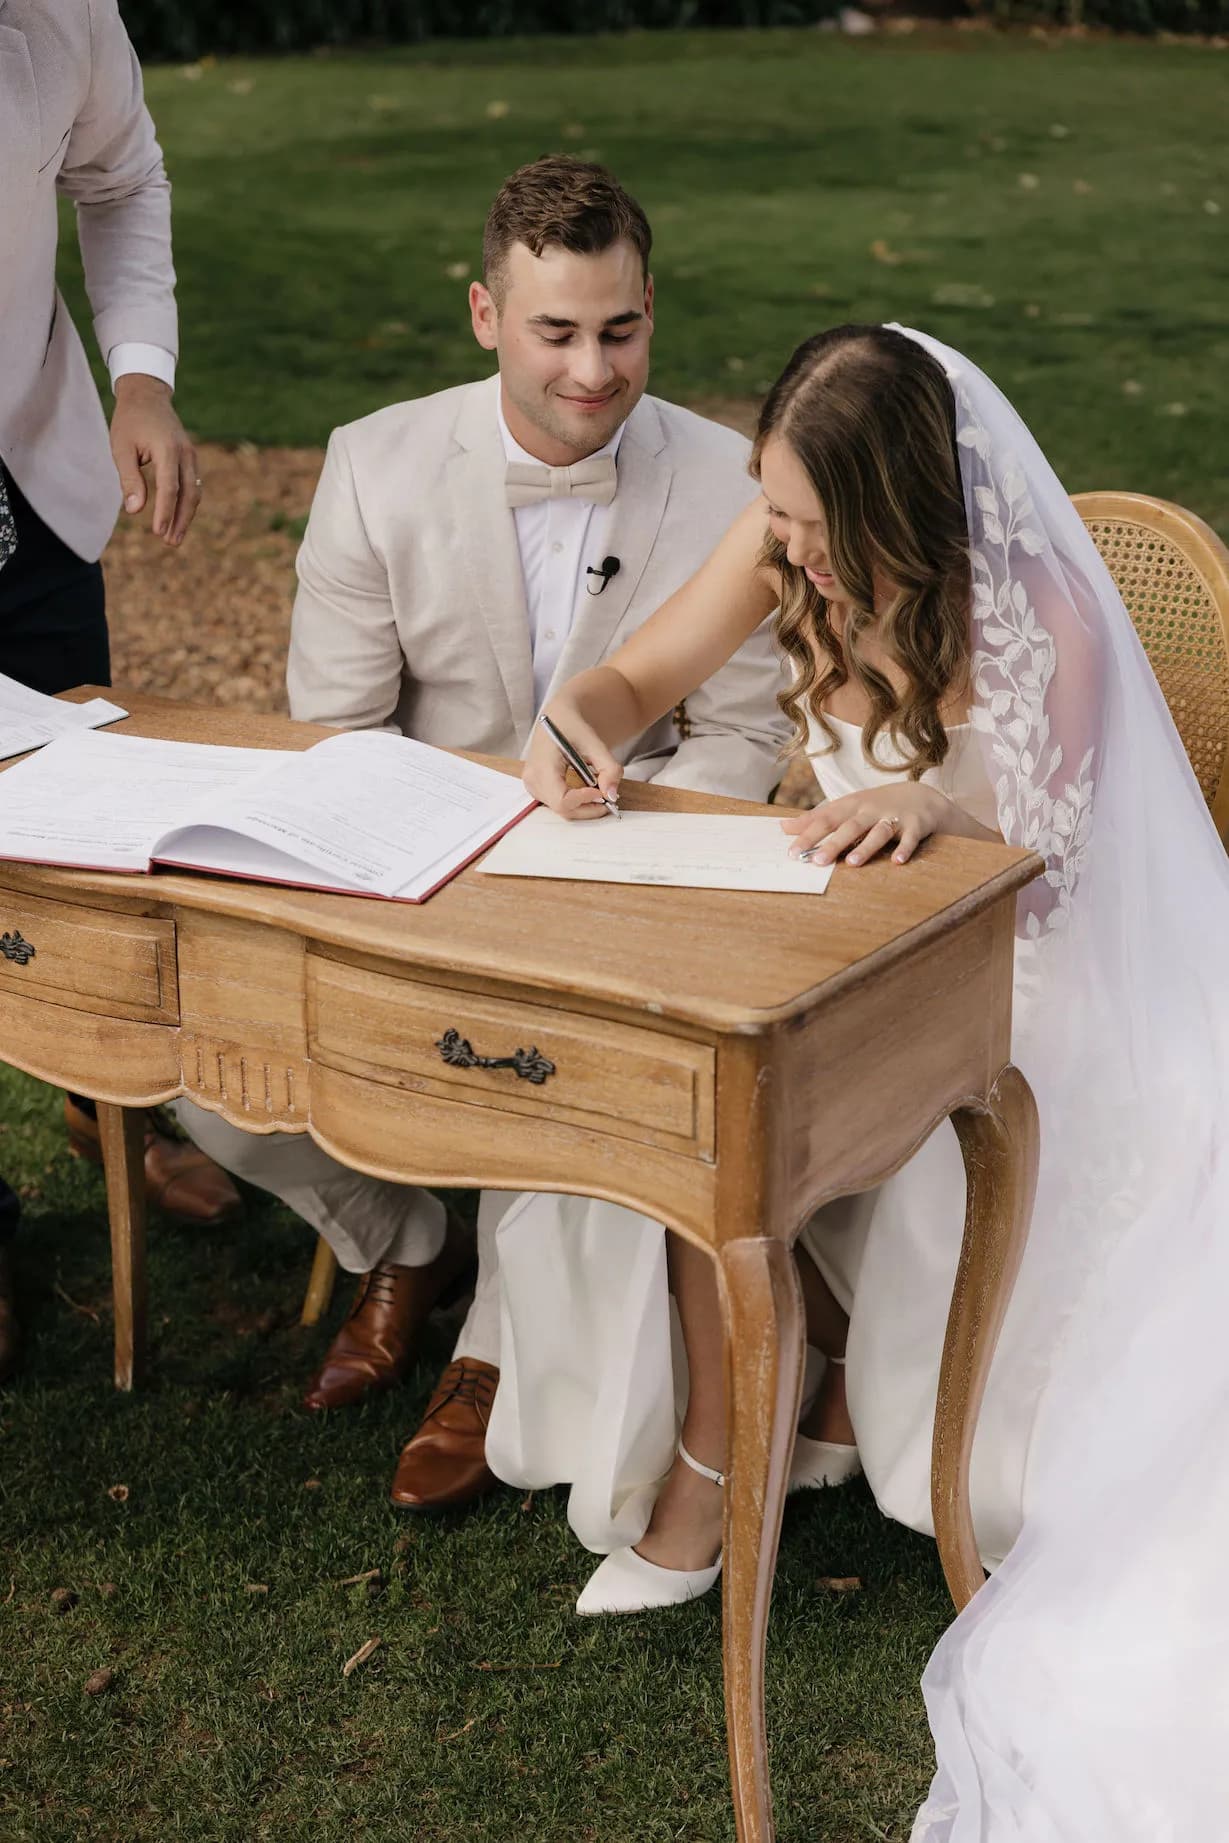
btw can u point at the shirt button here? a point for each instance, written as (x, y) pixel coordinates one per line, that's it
(556, 548)
(550, 633)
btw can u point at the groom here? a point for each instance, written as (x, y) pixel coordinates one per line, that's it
(466, 553)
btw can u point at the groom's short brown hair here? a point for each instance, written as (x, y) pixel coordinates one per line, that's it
(571, 204)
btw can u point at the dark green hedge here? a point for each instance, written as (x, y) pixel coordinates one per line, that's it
(1118, 15)
(190, 28)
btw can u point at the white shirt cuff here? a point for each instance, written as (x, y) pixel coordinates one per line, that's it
(135, 355)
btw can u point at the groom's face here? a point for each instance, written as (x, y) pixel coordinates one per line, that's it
(572, 333)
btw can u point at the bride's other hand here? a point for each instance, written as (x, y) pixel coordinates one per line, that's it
(546, 772)
(861, 825)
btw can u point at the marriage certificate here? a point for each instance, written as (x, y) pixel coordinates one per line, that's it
(716, 851)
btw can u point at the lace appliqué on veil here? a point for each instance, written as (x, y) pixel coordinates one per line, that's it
(1039, 807)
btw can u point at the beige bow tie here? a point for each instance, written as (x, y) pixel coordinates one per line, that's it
(527, 484)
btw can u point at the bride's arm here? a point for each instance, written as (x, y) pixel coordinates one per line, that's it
(689, 637)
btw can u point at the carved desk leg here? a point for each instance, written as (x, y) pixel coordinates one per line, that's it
(762, 1309)
(123, 1153)
(1000, 1148)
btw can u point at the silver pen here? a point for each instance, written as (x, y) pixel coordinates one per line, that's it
(575, 760)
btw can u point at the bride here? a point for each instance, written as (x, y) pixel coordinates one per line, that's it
(963, 663)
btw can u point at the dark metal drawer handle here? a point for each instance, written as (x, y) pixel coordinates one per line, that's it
(13, 947)
(459, 1051)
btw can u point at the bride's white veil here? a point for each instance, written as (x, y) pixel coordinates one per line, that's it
(1083, 1697)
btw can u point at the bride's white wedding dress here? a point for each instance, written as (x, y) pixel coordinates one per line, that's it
(593, 1373)
(1084, 1693)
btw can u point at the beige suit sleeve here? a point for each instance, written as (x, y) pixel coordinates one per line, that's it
(736, 727)
(114, 174)
(345, 661)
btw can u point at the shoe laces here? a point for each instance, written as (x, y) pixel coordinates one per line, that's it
(468, 1384)
(379, 1285)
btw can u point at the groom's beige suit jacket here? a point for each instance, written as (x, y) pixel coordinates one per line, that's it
(411, 609)
(73, 124)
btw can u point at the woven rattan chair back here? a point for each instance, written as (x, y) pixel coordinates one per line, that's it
(1172, 572)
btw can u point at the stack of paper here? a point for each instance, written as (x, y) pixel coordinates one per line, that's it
(28, 719)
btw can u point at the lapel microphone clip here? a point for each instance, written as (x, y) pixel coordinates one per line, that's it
(608, 570)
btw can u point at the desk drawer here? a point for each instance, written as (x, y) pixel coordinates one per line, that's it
(98, 960)
(636, 1083)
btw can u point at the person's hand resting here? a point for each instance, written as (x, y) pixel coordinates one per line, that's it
(146, 432)
(859, 826)
(549, 779)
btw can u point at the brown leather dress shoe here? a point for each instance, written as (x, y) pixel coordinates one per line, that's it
(379, 1339)
(444, 1464)
(179, 1179)
(10, 1330)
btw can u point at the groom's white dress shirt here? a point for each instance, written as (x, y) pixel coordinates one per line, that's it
(558, 540)
(73, 124)
(427, 605)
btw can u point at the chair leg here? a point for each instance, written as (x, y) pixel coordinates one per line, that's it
(319, 1293)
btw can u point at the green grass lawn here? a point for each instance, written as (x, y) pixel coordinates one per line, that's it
(1048, 209)
(1062, 212)
(213, 1592)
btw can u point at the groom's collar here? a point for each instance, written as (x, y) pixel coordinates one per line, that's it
(478, 422)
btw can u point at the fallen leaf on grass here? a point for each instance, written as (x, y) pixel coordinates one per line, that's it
(98, 1682)
(353, 1580)
(840, 1583)
(63, 1599)
(360, 1657)
(458, 1732)
(255, 1586)
(311, 1484)
(118, 1493)
(86, 1311)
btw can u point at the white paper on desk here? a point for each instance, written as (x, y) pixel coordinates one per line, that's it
(677, 850)
(28, 719)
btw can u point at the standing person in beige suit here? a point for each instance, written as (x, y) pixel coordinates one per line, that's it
(73, 124)
(465, 554)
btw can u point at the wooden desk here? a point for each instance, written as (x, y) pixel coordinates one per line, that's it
(723, 1062)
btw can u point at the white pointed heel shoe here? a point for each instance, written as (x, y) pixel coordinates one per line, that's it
(817, 1463)
(626, 1583)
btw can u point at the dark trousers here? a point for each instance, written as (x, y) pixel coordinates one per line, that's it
(53, 619)
(53, 635)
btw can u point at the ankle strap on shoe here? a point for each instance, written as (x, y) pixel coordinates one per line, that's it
(705, 1471)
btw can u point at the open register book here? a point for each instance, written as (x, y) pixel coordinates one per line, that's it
(364, 812)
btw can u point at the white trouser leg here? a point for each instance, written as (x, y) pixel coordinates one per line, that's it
(479, 1337)
(364, 1219)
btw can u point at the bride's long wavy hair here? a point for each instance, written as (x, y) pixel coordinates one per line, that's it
(870, 415)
